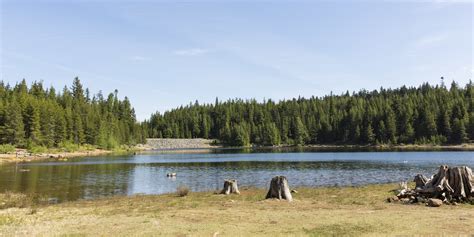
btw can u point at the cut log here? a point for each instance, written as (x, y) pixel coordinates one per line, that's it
(279, 189)
(230, 186)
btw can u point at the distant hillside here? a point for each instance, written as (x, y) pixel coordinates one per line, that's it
(427, 114)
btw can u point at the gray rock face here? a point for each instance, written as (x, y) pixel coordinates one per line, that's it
(169, 143)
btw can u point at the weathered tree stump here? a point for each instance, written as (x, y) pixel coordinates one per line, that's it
(450, 184)
(230, 186)
(420, 181)
(279, 189)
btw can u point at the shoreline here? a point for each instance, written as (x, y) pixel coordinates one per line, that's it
(464, 146)
(322, 147)
(22, 155)
(321, 211)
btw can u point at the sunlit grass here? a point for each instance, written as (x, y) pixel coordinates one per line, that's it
(333, 211)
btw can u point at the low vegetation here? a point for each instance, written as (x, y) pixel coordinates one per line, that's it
(335, 211)
(182, 191)
(20, 200)
(7, 148)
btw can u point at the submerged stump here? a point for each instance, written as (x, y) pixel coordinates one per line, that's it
(230, 186)
(279, 189)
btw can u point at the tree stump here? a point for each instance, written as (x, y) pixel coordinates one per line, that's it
(279, 189)
(420, 181)
(230, 186)
(449, 183)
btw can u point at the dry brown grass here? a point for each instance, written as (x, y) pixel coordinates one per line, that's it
(351, 211)
(20, 200)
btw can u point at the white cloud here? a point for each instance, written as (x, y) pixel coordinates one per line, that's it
(431, 40)
(191, 52)
(139, 58)
(451, 1)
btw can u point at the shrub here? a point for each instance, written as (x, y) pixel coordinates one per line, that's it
(182, 191)
(68, 146)
(109, 143)
(35, 149)
(7, 148)
(88, 147)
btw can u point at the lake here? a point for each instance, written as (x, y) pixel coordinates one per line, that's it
(94, 177)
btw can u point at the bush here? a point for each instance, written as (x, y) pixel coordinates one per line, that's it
(35, 149)
(7, 148)
(88, 147)
(68, 146)
(109, 143)
(182, 191)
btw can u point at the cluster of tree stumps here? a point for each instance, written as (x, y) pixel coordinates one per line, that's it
(451, 185)
(279, 188)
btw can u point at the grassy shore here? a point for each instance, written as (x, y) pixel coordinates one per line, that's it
(353, 211)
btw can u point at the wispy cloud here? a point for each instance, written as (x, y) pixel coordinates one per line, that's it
(191, 52)
(139, 58)
(450, 1)
(431, 40)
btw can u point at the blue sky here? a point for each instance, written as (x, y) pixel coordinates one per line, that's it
(163, 54)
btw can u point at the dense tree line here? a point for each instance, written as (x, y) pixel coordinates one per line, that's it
(35, 116)
(427, 114)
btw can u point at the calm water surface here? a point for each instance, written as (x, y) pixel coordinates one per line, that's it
(93, 177)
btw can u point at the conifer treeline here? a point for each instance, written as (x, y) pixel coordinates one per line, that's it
(427, 114)
(37, 116)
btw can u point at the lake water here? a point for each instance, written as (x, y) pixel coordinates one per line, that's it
(93, 177)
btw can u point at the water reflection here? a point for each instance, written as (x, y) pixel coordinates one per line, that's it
(146, 173)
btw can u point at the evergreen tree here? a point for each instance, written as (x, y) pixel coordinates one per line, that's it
(32, 124)
(13, 131)
(300, 133)
(42, 117)
(459, 131)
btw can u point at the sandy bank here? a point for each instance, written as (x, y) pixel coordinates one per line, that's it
(22, 155)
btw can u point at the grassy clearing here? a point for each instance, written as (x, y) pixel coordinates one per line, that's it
(348, 211)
